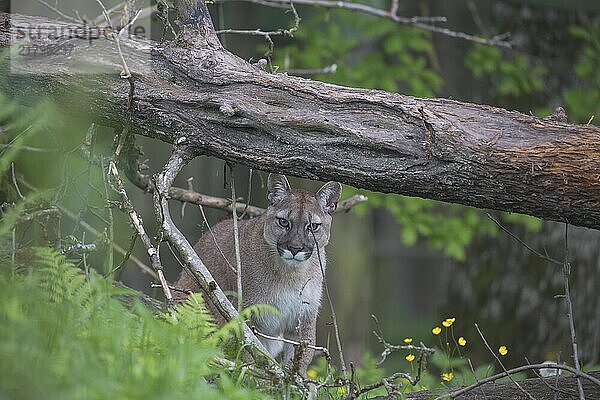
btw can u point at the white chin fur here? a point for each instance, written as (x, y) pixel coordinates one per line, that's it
(291, 259)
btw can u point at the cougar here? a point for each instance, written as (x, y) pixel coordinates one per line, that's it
(281, 264)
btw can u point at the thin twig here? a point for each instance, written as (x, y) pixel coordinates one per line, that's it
(387, 383)
(566, 273)
(292, 342)
(126, 74)
(417, 22)
(215, 239)
(522, 368)
(475, 375)
(528, 247)
(249, 193)
(139, 227)
(84, 257)
(110, 222)
(190, 186)
(502, 364)
(185, 195)
(29, 148)
(101, 17)
(555, 388)
(143, 267)
(13, 253)
(128, 254)
(566, 270)
(14, 179)
(60, 13)
(236, 241)
(267, 34)
(390, 348)
(330, 69)
(336, 329)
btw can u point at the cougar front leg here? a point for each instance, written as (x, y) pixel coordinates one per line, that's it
(306, 332)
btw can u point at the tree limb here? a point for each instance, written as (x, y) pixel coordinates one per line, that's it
(129, 162)
(488, 388)
(217, 104)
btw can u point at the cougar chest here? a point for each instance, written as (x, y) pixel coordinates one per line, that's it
(295, 299)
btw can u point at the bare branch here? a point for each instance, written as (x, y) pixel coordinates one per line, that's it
(129, 162)
(205, 200)
(236, 241)
(566, 270)
(390, 348)
(460, 392)
(292, 342)
(417, 22)
(138, 263)
(139, 227)
(58, 12)
(336, 329)
(330, 69)
(528, 247)
(267, 34)
(192, 262)
(529, 396)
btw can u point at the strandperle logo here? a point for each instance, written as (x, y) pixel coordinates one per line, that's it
(98, 27)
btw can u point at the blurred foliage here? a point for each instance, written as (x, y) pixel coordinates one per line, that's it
(64, 336)
(448, 228)
(583, 101)
(509, 73)
(370, 53)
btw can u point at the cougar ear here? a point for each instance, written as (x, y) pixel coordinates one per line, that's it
(278, 188)
(328, 196)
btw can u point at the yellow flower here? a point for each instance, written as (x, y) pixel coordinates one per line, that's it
(408, 340)
(462, 341)
(311, 373)
(410, 357)
(341, 390)
(447, 376)
(503, 350)
(448, 322)
(436, 330)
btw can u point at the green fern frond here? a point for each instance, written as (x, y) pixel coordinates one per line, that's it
(234, 327)
(58, 277)
(194, 317)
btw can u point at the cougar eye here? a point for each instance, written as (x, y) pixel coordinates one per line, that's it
(284, 223)
(314, 227)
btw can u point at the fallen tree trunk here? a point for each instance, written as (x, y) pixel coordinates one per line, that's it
(219, 105)
(557, 388)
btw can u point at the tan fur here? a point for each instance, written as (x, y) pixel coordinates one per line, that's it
(269, 274)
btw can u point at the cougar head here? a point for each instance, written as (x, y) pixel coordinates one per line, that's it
(296, 218)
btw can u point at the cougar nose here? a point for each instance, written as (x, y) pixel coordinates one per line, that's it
(294, 250)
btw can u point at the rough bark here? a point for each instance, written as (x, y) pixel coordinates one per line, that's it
(539, 388)
(219, 105)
